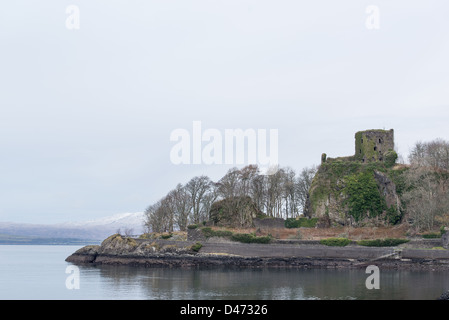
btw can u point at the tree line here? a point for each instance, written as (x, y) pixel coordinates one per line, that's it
(282, 195)
(427, 185)
(425, 194)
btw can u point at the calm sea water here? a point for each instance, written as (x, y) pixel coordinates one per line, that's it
(39, 272)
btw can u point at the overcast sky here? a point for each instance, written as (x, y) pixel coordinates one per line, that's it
(86, 114)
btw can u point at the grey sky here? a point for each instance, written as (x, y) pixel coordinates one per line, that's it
(86, 115)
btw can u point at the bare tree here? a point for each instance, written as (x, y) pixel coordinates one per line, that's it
(274, 194)
(258, 191)
(197, 189)
(228, 187)
(281, 194)
(433, 154)
(207, 200)
(288, 192)
(159, 216)
(246, 177)
(182, 205)
(302, 186)
(129, 232)
(427, 196)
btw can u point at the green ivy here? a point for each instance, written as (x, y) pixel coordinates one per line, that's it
(393, 216)
(363, 196)
(390, 158)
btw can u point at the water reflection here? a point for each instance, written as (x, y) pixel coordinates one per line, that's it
(259, 284)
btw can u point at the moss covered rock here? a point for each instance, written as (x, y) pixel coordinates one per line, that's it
(236, 212)
(361, 189)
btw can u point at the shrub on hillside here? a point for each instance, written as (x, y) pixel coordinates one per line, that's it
(196, 247)
(335, 242)
(250, 238)
(431, 235)
(389, 242)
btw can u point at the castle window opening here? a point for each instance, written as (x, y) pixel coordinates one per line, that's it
(375, 148)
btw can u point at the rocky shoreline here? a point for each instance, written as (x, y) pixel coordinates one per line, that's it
(119, 250)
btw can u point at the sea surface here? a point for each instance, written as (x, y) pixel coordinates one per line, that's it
(29, 272)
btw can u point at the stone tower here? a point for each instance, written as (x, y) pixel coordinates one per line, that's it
(372, 145)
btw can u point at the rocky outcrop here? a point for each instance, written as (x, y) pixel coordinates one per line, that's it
(118, 250)
(387, 189)
(444, 296)
(358, 190)
(87, 254)
(344, 192)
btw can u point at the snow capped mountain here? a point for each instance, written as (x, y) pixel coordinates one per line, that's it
(120, 220)
(98, 229)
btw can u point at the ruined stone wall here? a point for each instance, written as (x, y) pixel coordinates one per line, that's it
(372, 145)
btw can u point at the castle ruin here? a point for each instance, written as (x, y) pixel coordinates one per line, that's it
(372, 145)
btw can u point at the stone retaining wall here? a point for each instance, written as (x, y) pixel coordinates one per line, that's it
(269, 223)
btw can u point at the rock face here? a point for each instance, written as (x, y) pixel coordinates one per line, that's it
(387, 189)
(357, 194)
(116, 248)
(87, 254)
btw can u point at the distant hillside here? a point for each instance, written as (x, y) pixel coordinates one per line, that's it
(91, 230)
(22, 240)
